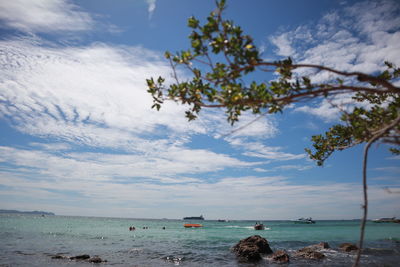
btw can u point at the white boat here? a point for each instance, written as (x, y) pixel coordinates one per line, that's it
(304, 220)
(387, 220)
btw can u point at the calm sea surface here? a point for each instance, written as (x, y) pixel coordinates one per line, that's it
(28, 240)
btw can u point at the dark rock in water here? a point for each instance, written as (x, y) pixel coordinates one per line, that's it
(59, 256)
(251, 248)
(348, 247)
(95, 259)
(81, 257)
(174, 260)
(319, 246)
(248, 253)
(280, 256)
(309, 253)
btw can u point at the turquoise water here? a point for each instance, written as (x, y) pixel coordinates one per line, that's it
(28, 240)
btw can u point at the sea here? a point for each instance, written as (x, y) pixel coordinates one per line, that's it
(33, 240)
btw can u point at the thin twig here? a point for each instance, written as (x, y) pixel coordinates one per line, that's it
(365, 206)
(246, 125)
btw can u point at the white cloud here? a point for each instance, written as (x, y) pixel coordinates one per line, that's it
(92, 95)
(69, 181)
(294, 167)
(44, 16)
(96, 95)
(359, 37)
(249, 125)
(151, 7)
(330, 109)
(259, 150)
(166, 165)
(389, 169)
(283, 43)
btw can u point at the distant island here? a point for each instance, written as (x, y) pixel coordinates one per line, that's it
(35, 212)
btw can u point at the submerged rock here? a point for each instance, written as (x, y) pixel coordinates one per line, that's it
(313, 251)
(174, 260)
(280, 256)
(96, 259)
(348, 247)
(251, 248)
(59, 256)
(319, 246)
(309, 253)
(81, 257)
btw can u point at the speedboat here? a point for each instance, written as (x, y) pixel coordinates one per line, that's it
(305, 220)
(259, 226)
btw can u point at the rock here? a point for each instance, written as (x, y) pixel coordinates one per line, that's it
(319, 246)
(59, 256)
(309, 253)
(280, 256)
(81, 257)
(313, 251)
(248, 253)
(95, 259)
(251, 248)
(348, 247)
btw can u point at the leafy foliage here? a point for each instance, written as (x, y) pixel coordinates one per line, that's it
(222, 56)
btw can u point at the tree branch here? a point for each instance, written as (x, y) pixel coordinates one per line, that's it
(365, 206)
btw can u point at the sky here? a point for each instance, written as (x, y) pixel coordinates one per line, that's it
(78, 135)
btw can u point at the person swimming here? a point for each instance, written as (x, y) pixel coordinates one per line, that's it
(132, 228)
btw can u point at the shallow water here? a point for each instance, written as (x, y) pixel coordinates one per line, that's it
(28, 240)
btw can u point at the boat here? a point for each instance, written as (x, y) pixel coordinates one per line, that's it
(194, 218)
(222, 220)
(305, 221)
(259, 226)
(387, 220)
(192, 225)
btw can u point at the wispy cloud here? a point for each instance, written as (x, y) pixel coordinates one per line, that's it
(167, 166)
(151, 7)
(259, 150)
(44, 16)
(92, 95)
(359, 37)
(391, 169)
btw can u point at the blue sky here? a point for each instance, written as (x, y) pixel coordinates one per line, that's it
(78, 137)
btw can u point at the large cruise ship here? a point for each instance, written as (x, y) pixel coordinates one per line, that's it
(194, 218)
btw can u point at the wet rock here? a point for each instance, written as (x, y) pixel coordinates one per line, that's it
(348, 247)
(95, 259)
(251, 248)
(280, 256)
(81, 257)
(309, 253)
(319, 246)
(59, 256)
(174, 260)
